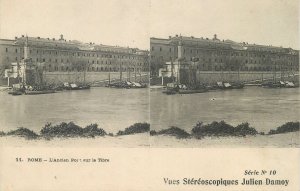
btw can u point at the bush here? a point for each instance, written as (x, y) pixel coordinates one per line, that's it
(244, 129)
(23, 132)
(2, 133)
(62, 130)
(172, 131)
(92, 130)
(135, 128)
(212, 129)
(110, 134)
(153, 132)
(285, 128)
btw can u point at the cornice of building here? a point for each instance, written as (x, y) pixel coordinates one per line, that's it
(63, 44)
(217, 43)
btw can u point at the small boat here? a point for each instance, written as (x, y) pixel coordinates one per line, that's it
(84, 87)
(137, 85)
(74, 86)
(290, 84)
(237, 85)
(227, 85)
(223, 85)
(189, 91)
(16, 93)
(271, 85)
(169, 91)
(36, 92)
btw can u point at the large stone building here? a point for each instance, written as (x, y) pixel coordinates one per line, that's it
(60, 55)
(221, 55)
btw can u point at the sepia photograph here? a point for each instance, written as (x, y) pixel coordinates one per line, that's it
(74, 73)
(149, 95)
(224, 73)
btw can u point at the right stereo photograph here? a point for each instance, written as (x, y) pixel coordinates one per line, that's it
(224, 78)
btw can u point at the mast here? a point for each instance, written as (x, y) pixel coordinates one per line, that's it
(172, 71)
(120, 73)
(135, 73)
(109, 77)
(129, 74)
(140, 76)
(84, 72)
(275, 73)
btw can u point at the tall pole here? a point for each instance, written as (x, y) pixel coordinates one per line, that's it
(140, 76)
(84, 75)
(109, 77)
(275, 74)
(129, 74)
(120, 73)
(178, 73)
(135, 73)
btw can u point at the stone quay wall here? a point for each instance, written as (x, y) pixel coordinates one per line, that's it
(247, 77)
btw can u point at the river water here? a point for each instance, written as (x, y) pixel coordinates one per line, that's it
(116, 109)
(264, 109)
(112, 109)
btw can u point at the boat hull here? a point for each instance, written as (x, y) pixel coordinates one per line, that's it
(192, 91)
(28, 92)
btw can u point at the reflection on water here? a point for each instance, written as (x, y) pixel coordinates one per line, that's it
(112, 109)
(264, 109)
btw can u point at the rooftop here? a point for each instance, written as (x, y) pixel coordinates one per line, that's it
(62, 43)
(215, 42)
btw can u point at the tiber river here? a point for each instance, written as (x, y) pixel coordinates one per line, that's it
(263, 108)
(116, 109)
(112, 109)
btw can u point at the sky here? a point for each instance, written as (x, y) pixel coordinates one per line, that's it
(132, 22)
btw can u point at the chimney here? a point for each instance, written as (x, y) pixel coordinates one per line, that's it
(215, 36)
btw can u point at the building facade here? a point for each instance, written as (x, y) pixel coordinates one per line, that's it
(55, 55)
(221, 55)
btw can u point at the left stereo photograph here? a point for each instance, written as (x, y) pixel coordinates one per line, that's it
(67, 82)
(65, 92)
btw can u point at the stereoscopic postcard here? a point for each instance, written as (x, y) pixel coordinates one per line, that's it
(149, 95)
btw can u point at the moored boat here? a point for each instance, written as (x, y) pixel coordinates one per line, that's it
(15, 93)
(189, 91)
(36, 92)
(271, 85)
(169, 91)
(237, 85)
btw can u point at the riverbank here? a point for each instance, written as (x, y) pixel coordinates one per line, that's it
(221, 134)
(126, 141)
(70, 134)
(277, 140)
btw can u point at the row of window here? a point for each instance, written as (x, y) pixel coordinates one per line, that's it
(262, 60)
(232, 53)
(67, 61)
(205, 67)
(80, 54)
(50, 68)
